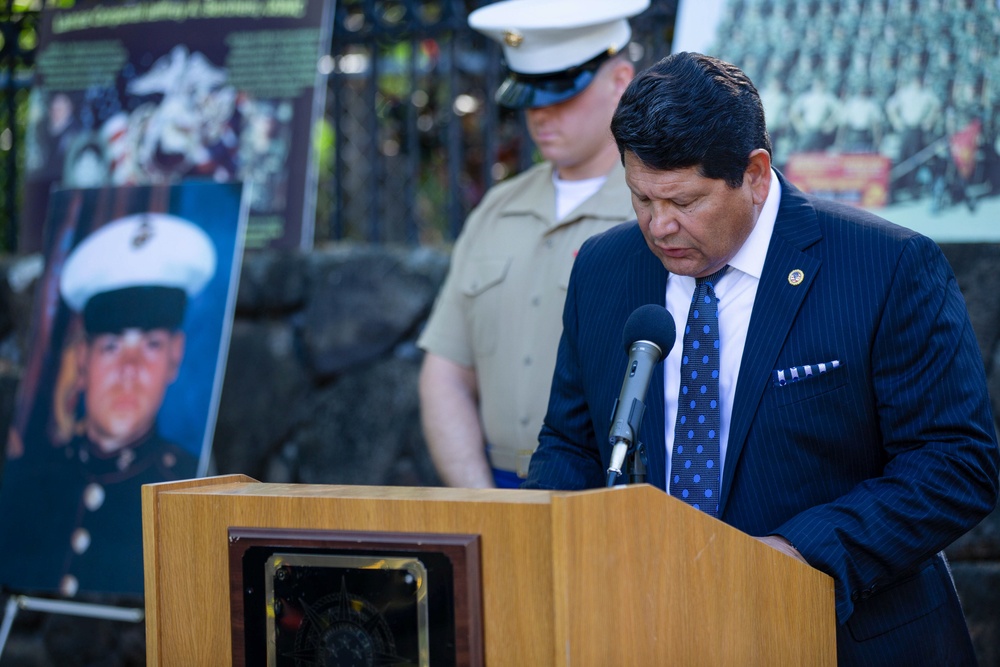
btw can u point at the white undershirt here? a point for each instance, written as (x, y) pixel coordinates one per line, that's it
(736, 292)
(570, 194)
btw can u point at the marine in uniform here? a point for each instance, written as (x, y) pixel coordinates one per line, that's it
(130, 281)
(913, 111)
(814, 115)
(861, 120)
(491, 339)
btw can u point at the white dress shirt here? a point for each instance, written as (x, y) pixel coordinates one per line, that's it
(736, 292)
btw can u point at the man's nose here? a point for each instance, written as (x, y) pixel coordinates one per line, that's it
(131, 357)
(539, 114)
(663, 222)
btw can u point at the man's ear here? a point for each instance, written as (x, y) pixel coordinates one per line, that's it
(623, 73)
(758, 175)
(176, 352)
(81, 354)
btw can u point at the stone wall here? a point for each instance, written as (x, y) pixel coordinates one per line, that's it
(320, 387)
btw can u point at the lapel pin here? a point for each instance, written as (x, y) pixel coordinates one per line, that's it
(796, 277)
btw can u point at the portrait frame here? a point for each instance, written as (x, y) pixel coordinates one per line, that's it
(81, 516)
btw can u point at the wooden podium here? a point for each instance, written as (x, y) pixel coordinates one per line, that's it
(622, 576)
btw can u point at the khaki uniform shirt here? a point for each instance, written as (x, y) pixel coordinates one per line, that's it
(500, 308)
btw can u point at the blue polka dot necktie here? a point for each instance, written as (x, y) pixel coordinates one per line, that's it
(694, 467)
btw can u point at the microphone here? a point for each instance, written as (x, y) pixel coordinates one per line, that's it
(648, 335)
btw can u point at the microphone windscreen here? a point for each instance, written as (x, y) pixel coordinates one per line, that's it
(653, 323)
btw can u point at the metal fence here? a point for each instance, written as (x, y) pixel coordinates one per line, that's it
(411, 137)
(17, 55)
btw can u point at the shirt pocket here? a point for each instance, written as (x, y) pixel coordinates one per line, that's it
(482, 284)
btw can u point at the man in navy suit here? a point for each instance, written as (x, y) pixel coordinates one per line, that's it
(855, 427)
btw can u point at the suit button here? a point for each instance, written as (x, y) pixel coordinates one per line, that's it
(93, 497)
(69, 586)
(80, 540)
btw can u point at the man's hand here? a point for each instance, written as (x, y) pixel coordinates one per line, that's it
(782, 545)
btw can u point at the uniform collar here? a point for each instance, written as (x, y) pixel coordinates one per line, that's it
(612, 202)
(134, 457)
(537, 198)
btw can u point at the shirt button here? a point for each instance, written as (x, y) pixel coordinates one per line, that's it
(535, 301)
(527, 361)
(80, 541)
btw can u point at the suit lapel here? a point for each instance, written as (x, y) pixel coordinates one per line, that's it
(775, 307)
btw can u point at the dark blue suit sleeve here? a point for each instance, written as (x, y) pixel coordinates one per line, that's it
(938, 435)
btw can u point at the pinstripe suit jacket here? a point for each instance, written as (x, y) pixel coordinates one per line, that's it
(869, 469)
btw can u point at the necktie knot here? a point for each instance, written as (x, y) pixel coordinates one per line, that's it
(713, 278)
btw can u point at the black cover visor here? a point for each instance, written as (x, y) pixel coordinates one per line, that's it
(530, 91)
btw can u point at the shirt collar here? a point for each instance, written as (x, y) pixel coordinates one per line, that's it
(611, 202)
(750, 258)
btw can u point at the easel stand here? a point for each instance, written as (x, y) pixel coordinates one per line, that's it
(90, 610)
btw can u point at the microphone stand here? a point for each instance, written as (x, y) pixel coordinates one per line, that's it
(636, 462)
(634, 467)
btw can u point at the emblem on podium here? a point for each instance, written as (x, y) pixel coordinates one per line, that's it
(351, 599)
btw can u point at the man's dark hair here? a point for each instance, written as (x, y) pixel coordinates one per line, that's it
(692, 110)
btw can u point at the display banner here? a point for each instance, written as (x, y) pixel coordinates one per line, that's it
(157, 91)
(861, 179)
(129, 337)
(891, 105)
